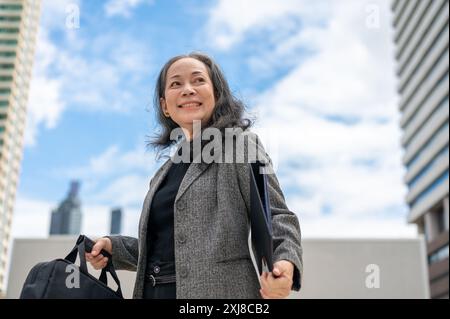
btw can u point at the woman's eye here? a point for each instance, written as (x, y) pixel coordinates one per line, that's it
(174, 83)
(199, 80)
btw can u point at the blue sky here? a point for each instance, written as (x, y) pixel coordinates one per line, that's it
(319, 77)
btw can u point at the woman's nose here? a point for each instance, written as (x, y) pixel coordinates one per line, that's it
(188, 90)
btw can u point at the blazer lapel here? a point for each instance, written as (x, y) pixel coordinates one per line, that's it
(193, 172)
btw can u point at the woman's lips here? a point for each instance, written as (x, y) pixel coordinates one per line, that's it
(190, 106)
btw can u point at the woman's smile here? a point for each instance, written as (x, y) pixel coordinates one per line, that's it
(190, 106)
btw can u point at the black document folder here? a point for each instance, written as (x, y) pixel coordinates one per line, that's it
(260, 219)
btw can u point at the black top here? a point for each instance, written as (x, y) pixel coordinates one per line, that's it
(160, 241)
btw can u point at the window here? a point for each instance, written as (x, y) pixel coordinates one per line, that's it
(6, 78)
(4, 103)
(8, 42)
(5, 90)
(438, 182)
(443, 104)
(6, 66)
(429, 144)
(431, 165)
(10, 19)
(11, 7)
(9, 30)
(432, 69)
(438, 255)
(420, 131)
(440, 219)
(3, 116)
(7, 54)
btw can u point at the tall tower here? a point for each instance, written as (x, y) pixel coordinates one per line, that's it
(19, 20)
(421, 37)
(66, 220)
(116, 221)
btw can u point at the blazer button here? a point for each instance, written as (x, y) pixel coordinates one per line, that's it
(181, 238)
(181, 205)
(183, 271)
(156, 269)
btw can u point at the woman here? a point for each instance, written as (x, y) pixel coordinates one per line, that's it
(193, 230)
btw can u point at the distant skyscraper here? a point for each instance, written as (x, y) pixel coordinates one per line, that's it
(19, 20)
(116, 221)
(422, 39)
(66, 220)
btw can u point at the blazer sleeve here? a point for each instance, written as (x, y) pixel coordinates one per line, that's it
(285, 223)
(125, 252)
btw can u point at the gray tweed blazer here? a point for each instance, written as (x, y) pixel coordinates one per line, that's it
(212, 256)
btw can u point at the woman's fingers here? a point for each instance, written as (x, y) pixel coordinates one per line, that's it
(274, 287)
(95, 259)
(98, 262)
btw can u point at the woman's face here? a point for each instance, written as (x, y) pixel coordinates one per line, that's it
(189, 94)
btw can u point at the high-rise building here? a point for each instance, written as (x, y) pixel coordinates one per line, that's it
(116, 221)
(422, 39)
(19, 20)
(66, 220)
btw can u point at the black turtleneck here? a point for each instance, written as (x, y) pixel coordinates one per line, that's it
(160, 238)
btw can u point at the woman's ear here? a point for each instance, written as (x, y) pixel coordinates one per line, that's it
(163, 104)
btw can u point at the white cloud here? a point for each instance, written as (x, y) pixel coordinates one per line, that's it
(55, 13)
(45, 105)
(107, 82)
(126, 190)
(230, 20)
(115, 162)
(331, 124)
(110, 80)
(123, 8)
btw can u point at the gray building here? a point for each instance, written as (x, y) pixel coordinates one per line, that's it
(66, 220)
(116, 221)
(422, 53)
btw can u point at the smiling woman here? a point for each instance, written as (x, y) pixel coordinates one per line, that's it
(194, 78)
(194, 226)
(188, 94)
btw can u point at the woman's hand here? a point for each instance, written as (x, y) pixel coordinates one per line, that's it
(277, 284)
(97, 260)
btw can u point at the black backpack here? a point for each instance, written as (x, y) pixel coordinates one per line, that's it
(62, 279)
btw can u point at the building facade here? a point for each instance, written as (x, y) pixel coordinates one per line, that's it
(422, 53)
(66, 219)
(19, 20)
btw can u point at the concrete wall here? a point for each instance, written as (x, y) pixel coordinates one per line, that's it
(333, 268)
(343, 268)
